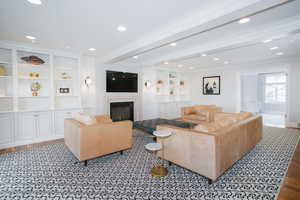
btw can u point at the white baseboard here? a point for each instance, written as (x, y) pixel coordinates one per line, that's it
(292, 124)
(21, 143)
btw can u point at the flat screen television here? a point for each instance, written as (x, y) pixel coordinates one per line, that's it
(121, 82)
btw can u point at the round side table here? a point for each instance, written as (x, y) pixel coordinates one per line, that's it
(160, 170)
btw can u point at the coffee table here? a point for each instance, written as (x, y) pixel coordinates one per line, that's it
(151, 124)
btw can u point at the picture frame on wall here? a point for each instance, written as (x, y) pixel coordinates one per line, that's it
(211, 85)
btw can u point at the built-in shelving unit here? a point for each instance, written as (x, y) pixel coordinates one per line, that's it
(6, 81)
(29, 74)
(66, 82)
(28, 115)
(171, 87)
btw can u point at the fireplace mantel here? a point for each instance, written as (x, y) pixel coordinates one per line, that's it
(134, 99)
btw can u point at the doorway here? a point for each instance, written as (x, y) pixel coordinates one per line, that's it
(265, 94)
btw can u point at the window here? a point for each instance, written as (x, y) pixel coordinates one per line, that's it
(275, 88)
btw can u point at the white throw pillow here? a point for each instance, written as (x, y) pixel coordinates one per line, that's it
(85, 119)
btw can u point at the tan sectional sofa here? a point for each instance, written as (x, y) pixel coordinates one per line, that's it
(211, 148)
(103, 137)
(197, 113)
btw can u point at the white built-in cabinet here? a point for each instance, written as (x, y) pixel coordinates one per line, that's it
(26, 117)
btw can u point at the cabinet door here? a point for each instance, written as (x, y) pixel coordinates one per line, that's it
(6, 127)
(59, 119)
(44, 124)
(26, 126)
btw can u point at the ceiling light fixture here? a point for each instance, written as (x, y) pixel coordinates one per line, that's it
(279, 53)
(135, 57)
(122, 28)
(68, 47)
(204, 54)
(216, 59)
(180, 66)
(92, 49)
(30, 37)
(36, 2)
(191, 67)
(244, 20)
(274, 48)
(166, 63)
(226, 62)
(173, 44)
(268, 40)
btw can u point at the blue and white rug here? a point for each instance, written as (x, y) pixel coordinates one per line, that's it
(49, 172)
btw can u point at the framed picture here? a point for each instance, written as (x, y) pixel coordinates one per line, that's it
(212, 85)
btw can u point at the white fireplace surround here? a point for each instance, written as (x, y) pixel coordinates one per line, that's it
(134, 99)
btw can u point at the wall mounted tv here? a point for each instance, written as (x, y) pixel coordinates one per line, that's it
(121, 82)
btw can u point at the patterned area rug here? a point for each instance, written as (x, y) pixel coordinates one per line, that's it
(49, 172)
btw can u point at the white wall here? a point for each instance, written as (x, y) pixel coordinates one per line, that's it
(229, 90)
(294, 94)
(230, 98)
(88, 94)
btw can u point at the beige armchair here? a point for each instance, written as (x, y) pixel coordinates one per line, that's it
(104, 137)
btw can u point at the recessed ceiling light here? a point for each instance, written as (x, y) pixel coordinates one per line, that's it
(173, 44)
(122, 28)
(204, 54)
(92, 49)
(36, 2)
(68, 47)
(244, 20)
(274, 48)
(268, 40)
(166, 63)
(30, 37)
(191, 67)
(180, 66)
(279, 53)
(226, 62)
(135, 57)
(216, 59)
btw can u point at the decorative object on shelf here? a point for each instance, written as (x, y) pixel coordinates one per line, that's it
(147, 84)
(212, 85)
(88, 81)
(181, 83)
(172, 91)
(160, 82)
(64, 90)
(65, 76)
(33, 60)
(2, 70)
(35, 87)
(34, 75)
(171, 82)
(172, 75)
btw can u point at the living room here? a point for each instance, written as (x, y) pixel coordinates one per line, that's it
(149, 100)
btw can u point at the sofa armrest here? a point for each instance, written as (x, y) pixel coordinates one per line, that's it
(72, 130)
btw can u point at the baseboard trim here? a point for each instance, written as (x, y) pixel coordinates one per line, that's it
(291, 125)
(29, 144)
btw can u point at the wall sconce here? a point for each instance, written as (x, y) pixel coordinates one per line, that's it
(88, 81)
(147, 84)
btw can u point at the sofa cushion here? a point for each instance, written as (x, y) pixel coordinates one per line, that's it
(195, 117)
(103, 119)
(189, 111)
(243, 115)
(85, 119)
(216, 125)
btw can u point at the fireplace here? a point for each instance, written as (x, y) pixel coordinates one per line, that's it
(120, 111)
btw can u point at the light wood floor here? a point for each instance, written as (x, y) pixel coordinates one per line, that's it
(290, 189)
